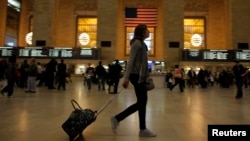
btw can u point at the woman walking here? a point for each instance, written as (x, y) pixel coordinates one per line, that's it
(137, 74)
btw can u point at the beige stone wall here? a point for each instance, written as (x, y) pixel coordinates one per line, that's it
(65, 24)
(3, 15)
(106, 31)
(159, 33)
(228, 29)
(216, 25)
(240, 22)
(120, 34)
(24, 25)
(173, 30)
(227, 23)
(43, 21)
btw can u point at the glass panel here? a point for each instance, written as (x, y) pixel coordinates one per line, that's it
(149, 41)
(194, 33)
(86, 32)
(12, 26)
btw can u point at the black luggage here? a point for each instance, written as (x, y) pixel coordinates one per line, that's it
(80, 118)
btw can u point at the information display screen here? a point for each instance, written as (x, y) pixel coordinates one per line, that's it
(86, 52)
(37, 53)
(66, 53)
(243, 55)
(54, 53)
(6, 52)
(193, 55)
(24, 52)
(224, 55)
(47, 52)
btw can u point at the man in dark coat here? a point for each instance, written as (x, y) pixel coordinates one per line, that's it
(50, 73)
(115, 72)
(101, 74)
(61, 75)
(11, 76)
(239, 72)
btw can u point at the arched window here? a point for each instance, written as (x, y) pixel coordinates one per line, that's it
(149, 41)
(194, 33)
(86, 32)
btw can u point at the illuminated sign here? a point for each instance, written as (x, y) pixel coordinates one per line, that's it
(194, 55)
(243, 55)
(6, 51)
(66, 53)
(218, 55)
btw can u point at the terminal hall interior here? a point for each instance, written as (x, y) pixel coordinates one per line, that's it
(197, 34)
(207, 34)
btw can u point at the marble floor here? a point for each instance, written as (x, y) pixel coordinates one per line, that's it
(174, 116)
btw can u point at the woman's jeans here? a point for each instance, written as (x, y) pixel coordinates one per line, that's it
(140, 105)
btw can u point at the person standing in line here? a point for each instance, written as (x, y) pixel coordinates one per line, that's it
(32, 74)
(137, 73)
(109, 78)
(89, 75)
(39, 73)
(3, 66)
(42, 79)
(116, 75)
(178, 78)
(24, 74)
(68, 76)
(169, 79)
(239, 72)
(50, 73)
(10, 75)
(191, 77)
(101, 74)
(61, 75)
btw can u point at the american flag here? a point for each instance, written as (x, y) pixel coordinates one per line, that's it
(135, 16)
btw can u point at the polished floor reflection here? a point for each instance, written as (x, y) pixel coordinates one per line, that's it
(173, 115)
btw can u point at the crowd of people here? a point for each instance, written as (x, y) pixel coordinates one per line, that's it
(54, 75)
(101, 76)
(31, 74)
(238, 76)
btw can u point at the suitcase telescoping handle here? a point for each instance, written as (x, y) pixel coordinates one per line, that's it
(77, 106)
(105, 105)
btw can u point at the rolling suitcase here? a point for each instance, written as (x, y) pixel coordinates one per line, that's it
(80, 118)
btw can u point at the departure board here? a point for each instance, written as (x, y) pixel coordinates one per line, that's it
(54, 53)
(23, 52)
(66, 53)
(6, 52)
(193, 55)
(38, 53)
(218, 55)
(243, 55)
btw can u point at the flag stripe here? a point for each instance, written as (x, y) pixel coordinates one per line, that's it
(142, 16)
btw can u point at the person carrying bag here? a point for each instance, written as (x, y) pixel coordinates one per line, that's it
(136, 73)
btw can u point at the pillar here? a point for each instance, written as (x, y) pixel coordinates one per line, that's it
(240, 22)
(24, 25)
(3, 15)
(43, 22)
(106, 31)
(173, 30)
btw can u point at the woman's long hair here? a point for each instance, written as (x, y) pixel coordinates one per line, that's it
(139, 32)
